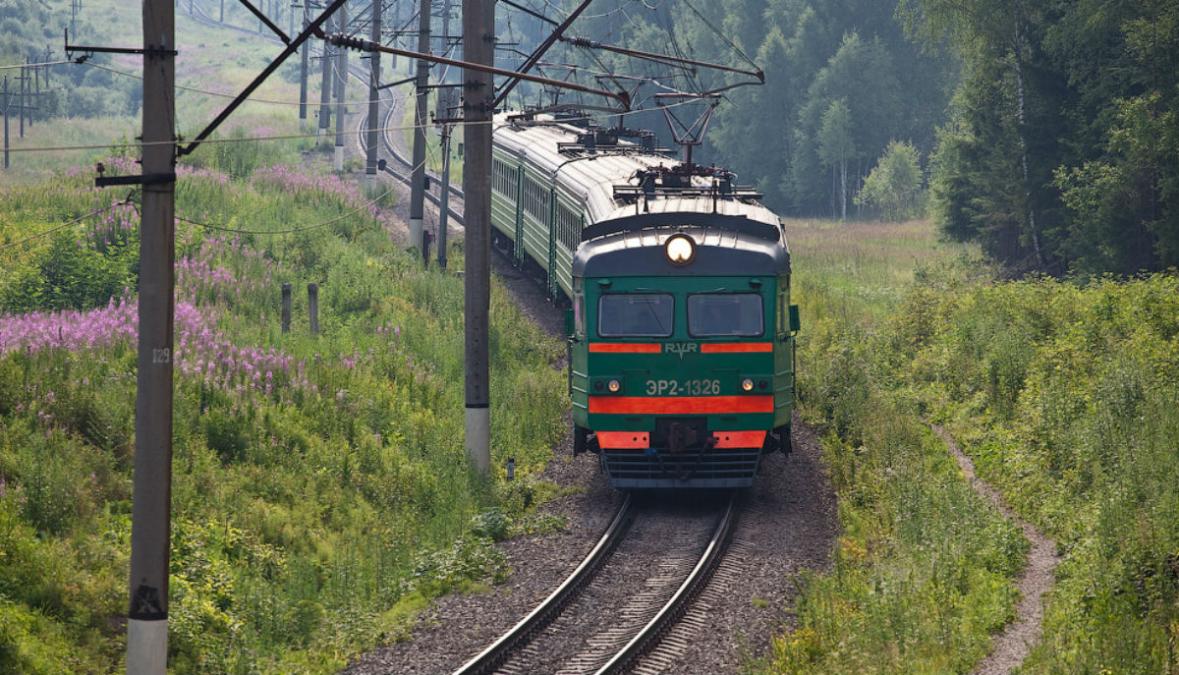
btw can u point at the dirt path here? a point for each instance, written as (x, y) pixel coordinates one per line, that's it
(1012, 646)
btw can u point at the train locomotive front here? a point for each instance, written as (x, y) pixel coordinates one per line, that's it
(682, 348)
(681, 331)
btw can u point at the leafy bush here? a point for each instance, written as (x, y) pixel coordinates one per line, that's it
(67, 275)
(320, 492)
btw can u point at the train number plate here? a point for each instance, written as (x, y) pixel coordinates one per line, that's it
(683, 387)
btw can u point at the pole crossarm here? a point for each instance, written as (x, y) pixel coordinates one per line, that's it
(266, 20)
(312, 28)
(369, 46)
(397, 83)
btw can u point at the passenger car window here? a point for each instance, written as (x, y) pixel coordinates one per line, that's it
(636, 315)
(725, 314)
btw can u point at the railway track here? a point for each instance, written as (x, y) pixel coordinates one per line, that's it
(636, 624)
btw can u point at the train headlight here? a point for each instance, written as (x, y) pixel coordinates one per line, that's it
(747, 384)
(614, 386)
(680, 249)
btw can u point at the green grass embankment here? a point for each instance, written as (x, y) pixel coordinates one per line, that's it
(922, 573)
(1066, 394)
(1063, 392)
(320, 491)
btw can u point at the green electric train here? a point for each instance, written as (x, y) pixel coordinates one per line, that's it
(681, 331)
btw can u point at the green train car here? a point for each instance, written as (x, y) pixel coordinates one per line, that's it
(681, 331)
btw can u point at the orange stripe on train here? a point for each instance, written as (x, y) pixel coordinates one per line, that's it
(623, 440)
(739, 439)
(679, 405)
(625, 348)
(735, 347)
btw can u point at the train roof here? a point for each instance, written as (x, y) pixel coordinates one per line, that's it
(721, 252)
(592, 174)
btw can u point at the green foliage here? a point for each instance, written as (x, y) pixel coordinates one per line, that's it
(894, 185)
(312, 518)
(813, 53)
(1062, 153)
(923, 570)
(1065, 393)
(67, 275)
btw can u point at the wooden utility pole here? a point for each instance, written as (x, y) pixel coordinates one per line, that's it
(147, 626)
(221, 17)
(326, 86)
(417, 184)
(286, 307)
(478, 94)
(304, 54)
(374, 101)
(313, 307)
(341, 89)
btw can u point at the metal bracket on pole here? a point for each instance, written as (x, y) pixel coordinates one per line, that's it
(87, 50)
(151, 179)
(397, 83)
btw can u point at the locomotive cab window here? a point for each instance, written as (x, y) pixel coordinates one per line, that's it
(725, 315)
(636, 315)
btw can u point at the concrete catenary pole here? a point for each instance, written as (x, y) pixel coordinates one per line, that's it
(374, 101)
(5, 121)
(151, 501)
(417, 184)
(326, 85)
(478, 94)
(304, 55)
(20, 111)
(444, 212)
(6, 102)
(341, 89)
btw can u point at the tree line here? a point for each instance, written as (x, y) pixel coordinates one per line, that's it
(1061, 150)
(1045, 130)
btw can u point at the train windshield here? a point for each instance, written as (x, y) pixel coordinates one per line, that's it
(635, 315)
(725, 315)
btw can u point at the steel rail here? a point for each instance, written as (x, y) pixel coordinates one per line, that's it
(455, 215)
(490, 658)
(674, 608)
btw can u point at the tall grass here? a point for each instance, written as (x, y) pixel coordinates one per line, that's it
(320, 493)
(923, 569)
(1064, 393)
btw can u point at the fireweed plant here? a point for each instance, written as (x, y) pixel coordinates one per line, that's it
(320, 493)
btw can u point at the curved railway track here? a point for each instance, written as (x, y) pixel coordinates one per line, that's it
(637, 642)
(389, 145)
(639, 625)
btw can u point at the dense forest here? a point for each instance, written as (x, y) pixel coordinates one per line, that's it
(1061, 153)
(1045, 130)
